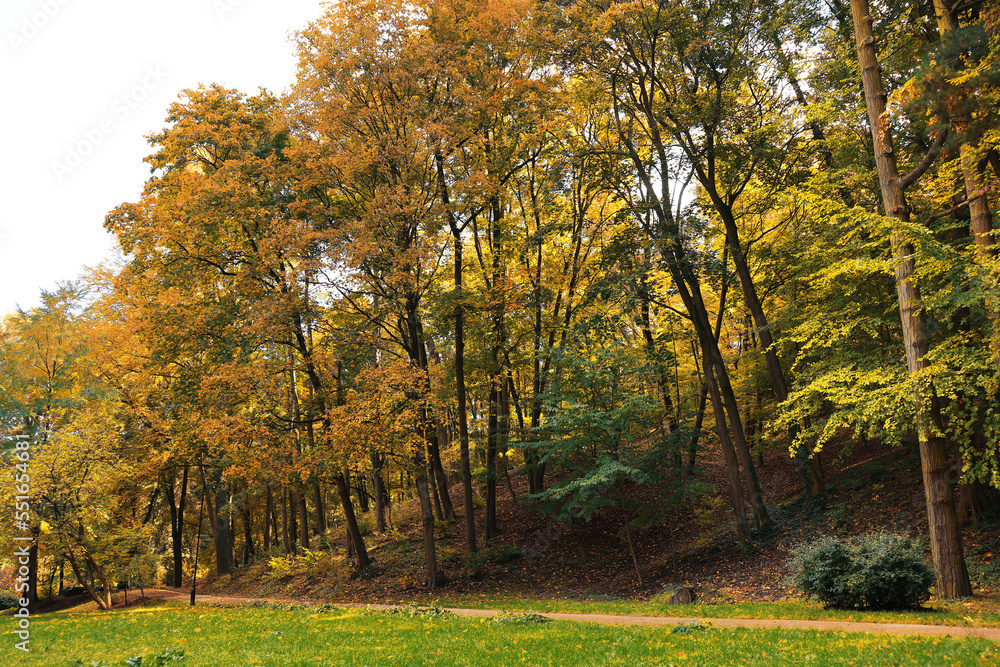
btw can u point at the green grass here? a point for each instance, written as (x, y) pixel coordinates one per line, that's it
(252, 636)
(979, 612)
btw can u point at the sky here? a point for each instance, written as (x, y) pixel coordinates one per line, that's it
(83, 82)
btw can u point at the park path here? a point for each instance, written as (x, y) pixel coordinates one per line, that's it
(657, 621)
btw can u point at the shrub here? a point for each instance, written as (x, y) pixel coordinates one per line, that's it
(822, 569)
(516, 618)
(367, 523)
(502, 553)
(685, 628)
(8, 600)
(877, 571)
(281, 567)
(411, 610)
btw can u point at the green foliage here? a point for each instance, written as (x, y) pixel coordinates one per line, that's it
(170, 655)
(412, 610)
(286, 269)
(475, 563)
(598, 415)
(367, 523)
(517, 618)
(877, 571)
(155, 660)
(502, 553)
(687, 628)
(8, 600)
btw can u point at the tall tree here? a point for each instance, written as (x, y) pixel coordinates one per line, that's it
(635, 52)
(946, 542)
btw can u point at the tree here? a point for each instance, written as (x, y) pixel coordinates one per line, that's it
(632, 51)
(946, 543)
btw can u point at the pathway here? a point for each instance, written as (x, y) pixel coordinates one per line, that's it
(621, 619)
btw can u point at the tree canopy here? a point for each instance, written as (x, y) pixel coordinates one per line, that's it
(586, 243)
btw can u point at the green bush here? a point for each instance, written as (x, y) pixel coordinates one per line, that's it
(8, 600)
(516, 618)
(170, 655)
(877, 571)
(412, 610)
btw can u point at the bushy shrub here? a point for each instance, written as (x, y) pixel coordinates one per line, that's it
(823, 569)
(281, 567)
(877, 571)
(8, 600)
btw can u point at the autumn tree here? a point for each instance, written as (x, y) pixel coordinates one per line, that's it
(946, 544)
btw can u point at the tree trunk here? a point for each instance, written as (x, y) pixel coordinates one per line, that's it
(667, 234)
(946, 543)
(492, 436)
(380, 495)
(732, 466)
(94, 568)
(432, 482)
(434, 449)
(363, 495)
(286, 531)
(344, 491)
(268, 518)
(628, 533)
(498, 315)
(980, 216)
(463, 411)
(431, 574)
(293, 523)
(248, 550)
(699, 418)
(728, 396)
(36, 531)
(88, 582)
(651, 352)
(463, 423)
(220, 527)
(807, 467)
(972, 495)
(177, 524)
(300, 500)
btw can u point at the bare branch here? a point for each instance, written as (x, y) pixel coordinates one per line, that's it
(928, 160)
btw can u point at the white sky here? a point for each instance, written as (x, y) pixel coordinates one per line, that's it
(83, 82)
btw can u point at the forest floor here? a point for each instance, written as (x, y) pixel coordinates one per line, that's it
(870, 487)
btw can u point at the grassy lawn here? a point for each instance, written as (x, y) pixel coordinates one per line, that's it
(979, 612)
(254, 636)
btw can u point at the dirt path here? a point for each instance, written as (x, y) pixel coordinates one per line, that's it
(616, 619)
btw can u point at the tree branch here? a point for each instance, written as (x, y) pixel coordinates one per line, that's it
(982, 192)
(928, 160)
